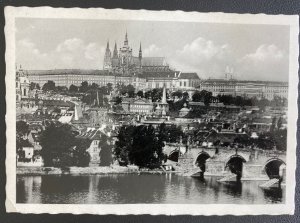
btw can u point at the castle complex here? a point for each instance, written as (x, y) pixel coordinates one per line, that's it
(121, 66)
(125, 63)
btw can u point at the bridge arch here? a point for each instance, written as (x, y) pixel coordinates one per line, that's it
(273, 167)
(235, 165)
(174, 155)
(201, 160)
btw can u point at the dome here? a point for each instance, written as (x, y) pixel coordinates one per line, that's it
(184, 109)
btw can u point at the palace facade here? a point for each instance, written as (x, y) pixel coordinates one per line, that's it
(245, 88)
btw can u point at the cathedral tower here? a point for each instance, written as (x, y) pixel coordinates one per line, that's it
(140, 55)
(115, 53)
(107, 58)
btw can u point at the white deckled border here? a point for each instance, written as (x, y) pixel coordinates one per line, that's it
(11, 13)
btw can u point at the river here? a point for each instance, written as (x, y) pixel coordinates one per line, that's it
(143, 188)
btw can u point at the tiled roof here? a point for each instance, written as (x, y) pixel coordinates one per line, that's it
(67, 71)
(93, 134)
(57, 103)
(153, 61)
(188, 76)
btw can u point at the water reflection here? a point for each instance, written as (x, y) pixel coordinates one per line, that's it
(144, 188)
(274, 195)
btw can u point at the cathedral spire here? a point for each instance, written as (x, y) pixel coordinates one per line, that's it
(107, 45)
(126, 39)
(115, 53)
(107, 58)
(140, 51)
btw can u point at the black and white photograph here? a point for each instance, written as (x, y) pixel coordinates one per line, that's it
(130, 112)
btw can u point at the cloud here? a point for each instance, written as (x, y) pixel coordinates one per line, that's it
(93, 51)
(265, 53)
(70, 53)
(28, 53)
(152, 51)
(203, 56)
(267, 62)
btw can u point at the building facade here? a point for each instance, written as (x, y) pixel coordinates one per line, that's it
(248, 89)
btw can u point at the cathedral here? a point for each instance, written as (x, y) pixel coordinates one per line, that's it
(123, 61)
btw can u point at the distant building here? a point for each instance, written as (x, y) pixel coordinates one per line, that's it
(123, 61)
(139, 105)
(98, 141)
(248, 89)
(22, 85)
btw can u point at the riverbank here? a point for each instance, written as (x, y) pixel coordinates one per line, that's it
(30, 171)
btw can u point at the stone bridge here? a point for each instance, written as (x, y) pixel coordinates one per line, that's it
(223, 161)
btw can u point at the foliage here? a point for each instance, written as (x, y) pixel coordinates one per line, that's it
(84, 87)
(139, 145)
(266, 141)
(171, 133)
(73, 88)
(106, 151)
(140, 94)
(33, 86)
(177, 94)
(80, 156)
(118, 100)
(59, 143)
(22, 129)
(155, 94)
(49, 86)
(176, 106)
(202, 96)
(126, 90)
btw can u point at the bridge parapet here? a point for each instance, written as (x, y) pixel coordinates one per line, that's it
(214, 160)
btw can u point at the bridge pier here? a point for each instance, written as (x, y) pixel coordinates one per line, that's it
(249, 164)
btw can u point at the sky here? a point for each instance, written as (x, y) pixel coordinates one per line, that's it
(250, 52)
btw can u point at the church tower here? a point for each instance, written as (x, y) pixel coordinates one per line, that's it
(140, 55)
(107, 58)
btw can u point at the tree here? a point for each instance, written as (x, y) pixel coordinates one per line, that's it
(73, 88)
(22, 129)
(185, 95)
(61, 89)
(94, 87)
(33, 86)
(273, 126)
(279, 123)
(84, 87)
(56, 141)
(118, 100)
(106, 151)
(80, 156)
(61, 148)
(170, 133)
(126, 90)
(155, 94)
(130, 91)
(204, 96)
(49, 86)
(177, 94)
(263, 103)
(140, 94)
(139, 145)
(87, 99)
(197, 97)
(109, 88)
